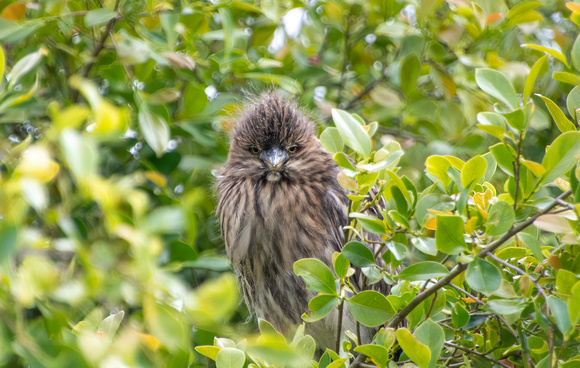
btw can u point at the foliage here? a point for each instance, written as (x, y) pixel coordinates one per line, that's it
(113, 117)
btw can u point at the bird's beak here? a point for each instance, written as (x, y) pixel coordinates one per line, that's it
(274, 158)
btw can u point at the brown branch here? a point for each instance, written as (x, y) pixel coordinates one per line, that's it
(339, 325)
(466, 293)
(459, 347)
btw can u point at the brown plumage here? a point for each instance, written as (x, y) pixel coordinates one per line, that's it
(278, 202)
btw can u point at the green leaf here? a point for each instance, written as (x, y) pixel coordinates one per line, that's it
(564, 281)
(331, 141)
(317, 275)
(573, 102)
(423, 271)
(562, 122)
(492, 123)
(340, 264)
(81, 154)
(438, 165)
(431, 335)
(459, 316)
(25, 65)
(370, 224)
(165, 220)
(503, 157)
(561, 156)
(560, 312)
(378, 354)
(483, 276)
(576, 54)
(164, 322)
(285, 82)
(531, 79)
(98, 16)
(565, 77)
(358, 254)
(532, 244)
(8, 240)
(505, 306)
(110, 325)
(419, 353)
(516, 119)
(425, 245)
(230, 358)
(370, 308)
(497, 85)
(473, 171)
(501, 218)
(320, 306)
(438, 202)
(449, 234)
(352, 133)
(155, 130)
(209, 351)
(228, 29)
(574, 304)
(558, 55)
(410, 71)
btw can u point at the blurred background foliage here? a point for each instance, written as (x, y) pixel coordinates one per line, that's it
(113, 121)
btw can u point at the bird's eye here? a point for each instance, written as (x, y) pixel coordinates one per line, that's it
(293, 149)
(254, 150)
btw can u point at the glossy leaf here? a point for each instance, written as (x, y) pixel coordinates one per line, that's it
(558, 55)
(352, 133)
(561, 155)
(531, 79)
(98, 16)
(483, 276)
(560, 119)
(317, 275)
(473, 171)
(449, 234)
(331, 141)
(358, 254)
(423, 271)
(431, 334)
(497, 85)
(500, 220)
(370, 308)
(419, 353)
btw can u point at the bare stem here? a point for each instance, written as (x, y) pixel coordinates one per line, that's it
(459, 347)
(466, 293)
(339, 326)
(520, 272)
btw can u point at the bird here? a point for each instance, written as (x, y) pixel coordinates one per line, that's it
(278, 201)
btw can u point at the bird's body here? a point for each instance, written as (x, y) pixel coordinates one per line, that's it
(279, 201)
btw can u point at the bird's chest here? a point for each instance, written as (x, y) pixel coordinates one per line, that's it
(277, 227)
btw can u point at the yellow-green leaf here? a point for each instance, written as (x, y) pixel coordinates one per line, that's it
(473, 171)
(418, 352)
(555, 53)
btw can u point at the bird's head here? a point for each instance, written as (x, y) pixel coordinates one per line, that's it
(274, 141)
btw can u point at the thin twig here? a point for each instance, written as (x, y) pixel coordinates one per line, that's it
(339, 326)
(459, 347)
(566, 204)
(466, 293)
(520, 272)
